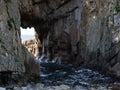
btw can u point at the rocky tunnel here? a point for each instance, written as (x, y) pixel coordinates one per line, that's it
(80, 31)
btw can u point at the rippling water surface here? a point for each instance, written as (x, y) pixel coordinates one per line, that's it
(78, 76)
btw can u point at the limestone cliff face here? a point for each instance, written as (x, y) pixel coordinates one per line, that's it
(99, 34)
(81, 31)
(12, 53)
(10, 42)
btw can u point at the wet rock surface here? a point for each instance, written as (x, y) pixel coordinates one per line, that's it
(79, 79)
(79, 31)
(40, 86)
(79, 76)
(56, 76)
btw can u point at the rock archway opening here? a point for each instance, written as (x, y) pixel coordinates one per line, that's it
(77, 32)
(30, 40)
(69, 31)
(27, 33)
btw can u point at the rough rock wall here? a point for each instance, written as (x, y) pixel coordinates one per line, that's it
(52, 21)
(98, 34)
(12, 54)
(10, 43)
(80, 31)
(101, 34)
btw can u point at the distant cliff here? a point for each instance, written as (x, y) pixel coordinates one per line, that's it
(31, 45)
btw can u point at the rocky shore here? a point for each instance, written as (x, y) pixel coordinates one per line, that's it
(79, 79)
(40, 86)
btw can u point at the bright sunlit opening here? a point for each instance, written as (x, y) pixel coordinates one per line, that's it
(27, 34)
(116, 39)
(94, 17)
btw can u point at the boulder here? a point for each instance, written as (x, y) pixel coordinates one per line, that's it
(31, 65)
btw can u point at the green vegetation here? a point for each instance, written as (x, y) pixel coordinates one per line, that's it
(9, 24)
(17, 60)
(117, 8)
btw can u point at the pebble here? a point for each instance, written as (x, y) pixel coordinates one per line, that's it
(30, 87)
(24, 88)
(91, 88)
(49, 88)
(57, 88)
(115, 86)
(40, 86)
(64, 87)
(79, 88)
(2, 88)
(17, 88)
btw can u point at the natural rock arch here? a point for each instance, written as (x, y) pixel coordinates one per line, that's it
(87, 22)
(91, 22)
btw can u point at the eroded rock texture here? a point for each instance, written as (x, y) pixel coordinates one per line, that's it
(12, 53)
(81, 31)
(10, 43)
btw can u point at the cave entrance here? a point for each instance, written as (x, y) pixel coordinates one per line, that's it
(28, 33)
